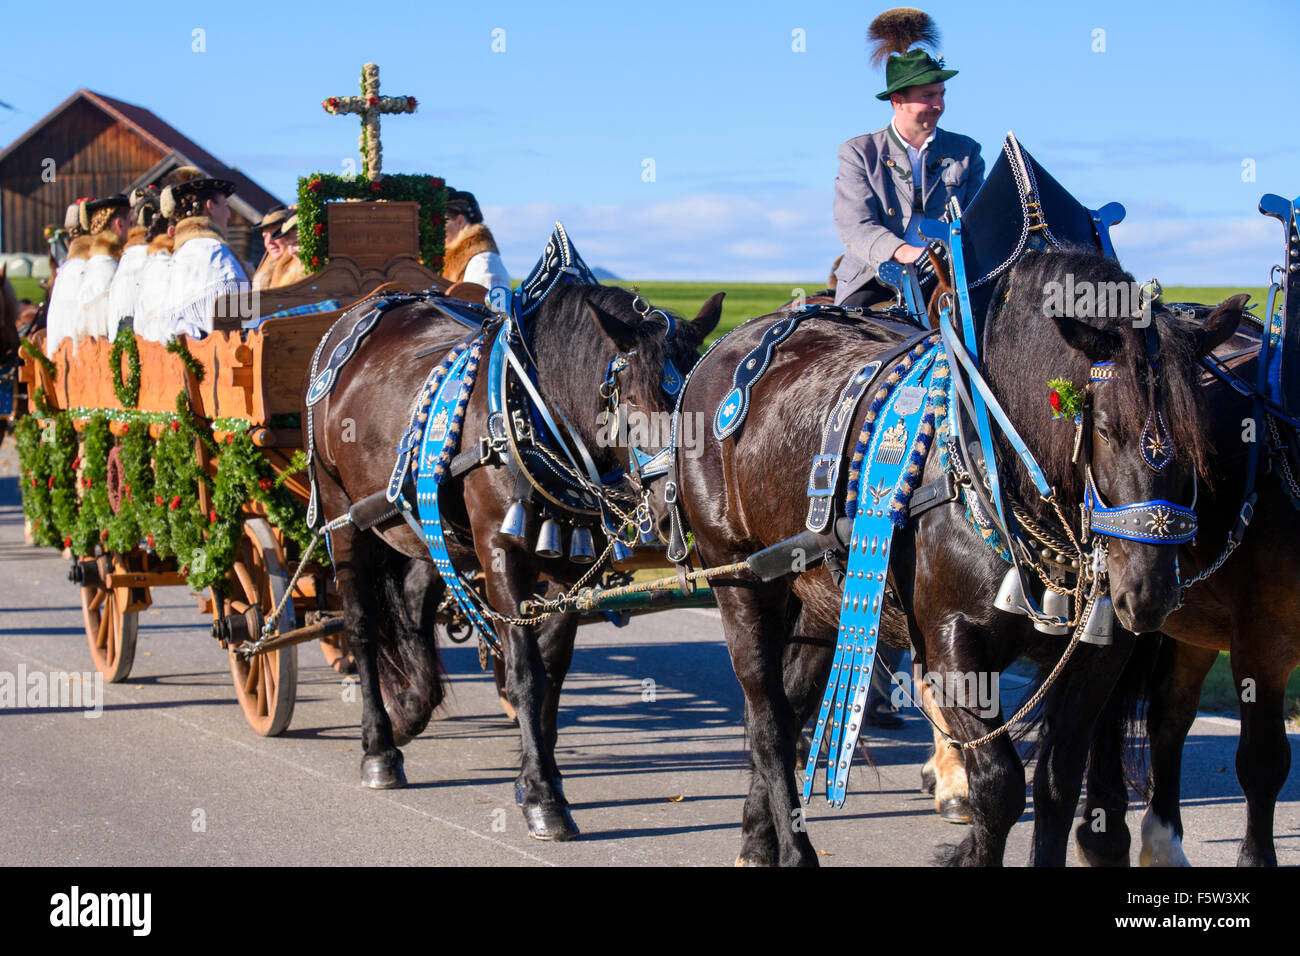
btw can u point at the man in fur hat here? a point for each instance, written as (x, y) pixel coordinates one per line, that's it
(124, 291)
(61, 314)
(106, 221)
(471, 254)
(202, 266)
(892, 179)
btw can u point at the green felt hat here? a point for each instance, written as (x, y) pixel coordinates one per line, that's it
(914, 68)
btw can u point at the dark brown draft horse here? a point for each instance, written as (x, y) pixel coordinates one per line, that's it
(747, 493)
(386, 577)
(1250, 606)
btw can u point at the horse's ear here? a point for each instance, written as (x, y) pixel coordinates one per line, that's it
(1220, 325)
(1098, 344)
(707, 320)
(620, 333)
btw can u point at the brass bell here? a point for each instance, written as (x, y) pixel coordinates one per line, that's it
(548, 540)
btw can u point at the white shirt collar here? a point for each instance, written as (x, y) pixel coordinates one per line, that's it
(913, 154)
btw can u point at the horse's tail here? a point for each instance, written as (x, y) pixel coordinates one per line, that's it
(410, 672)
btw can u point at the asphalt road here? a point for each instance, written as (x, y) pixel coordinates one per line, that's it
(170, 774)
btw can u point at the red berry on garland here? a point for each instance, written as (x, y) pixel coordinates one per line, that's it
(315, 262)
(67, 542)
(48, 484)
(320, 228)
(411, 102)
(264, 483)
(372, 100)
(34, 480)
(437, 220)
(176, 426)
(158, 498)
(103, 535)
(230, 437)
(375, 187)
(90, 482)
(212, 517)
(176, 502)
(149, 538)
(126, 428)
(436, 182)
(1055, 399)
(314, 185)
(75, 462)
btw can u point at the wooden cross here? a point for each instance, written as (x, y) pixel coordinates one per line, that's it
(369, 106)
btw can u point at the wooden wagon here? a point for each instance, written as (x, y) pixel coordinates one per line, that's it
(235, 391)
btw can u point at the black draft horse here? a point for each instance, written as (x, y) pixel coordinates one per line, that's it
(1250, 607)
(386, 578)
(745, 494)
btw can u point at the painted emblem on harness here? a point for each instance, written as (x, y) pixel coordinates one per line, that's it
(879, 492)
(893, 443)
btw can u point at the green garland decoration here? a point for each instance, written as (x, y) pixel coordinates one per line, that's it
(320, 188)
(39, 357)
(179, 348)
(128, 392)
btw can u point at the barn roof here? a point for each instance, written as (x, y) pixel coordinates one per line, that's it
(166, 139)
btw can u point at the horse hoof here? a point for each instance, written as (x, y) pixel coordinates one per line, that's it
(956, 810)
(1086, 857)
(741, 861)
(383, 772)
(928, 780)
(550, 822)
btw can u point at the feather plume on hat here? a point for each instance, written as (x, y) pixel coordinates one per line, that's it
(900, 29)
(72, 218)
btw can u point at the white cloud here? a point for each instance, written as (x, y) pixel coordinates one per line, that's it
(1192, 250)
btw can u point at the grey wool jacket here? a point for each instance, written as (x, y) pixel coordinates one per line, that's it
(874, 195)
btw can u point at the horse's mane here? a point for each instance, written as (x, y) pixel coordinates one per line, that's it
(1023, 350)
(9, 309)
(572, 353)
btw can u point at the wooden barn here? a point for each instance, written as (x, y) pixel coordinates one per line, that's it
(100, 146)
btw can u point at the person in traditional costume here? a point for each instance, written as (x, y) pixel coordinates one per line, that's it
(202, 267)
(892, 179)
(61, 314)
(288, 268)
(125, 290)
(152, 293)
(269, 227)
(471, 254)
(106, 221)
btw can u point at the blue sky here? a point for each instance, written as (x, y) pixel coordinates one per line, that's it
(742, 130)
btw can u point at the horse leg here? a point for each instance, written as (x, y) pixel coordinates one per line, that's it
(1173, 708)
(1263, 753)
(411, 680)
(537, 788)
(1071, 710)
(358, 563)
(1102, 837)
(555, 639)
(996, 775)
(757, 625)
(804, 672)
(944, 774)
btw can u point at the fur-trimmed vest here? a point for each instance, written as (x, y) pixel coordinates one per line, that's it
(106, 243)
(288, 270)
(79, 248)
(160, 243)
(196, 227)
(134, 237)
(472, 240)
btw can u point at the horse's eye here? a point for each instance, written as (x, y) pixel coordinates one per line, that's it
(1103, 434)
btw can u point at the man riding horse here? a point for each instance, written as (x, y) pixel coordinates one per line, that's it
(892, 179)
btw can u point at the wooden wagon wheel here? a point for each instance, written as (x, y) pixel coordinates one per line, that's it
(111, 625)
(267, 684)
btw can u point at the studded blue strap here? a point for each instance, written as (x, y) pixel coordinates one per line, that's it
(731, 410)
(426, 497)
(884, 467)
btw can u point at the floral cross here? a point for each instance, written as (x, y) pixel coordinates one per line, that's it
(369, 105)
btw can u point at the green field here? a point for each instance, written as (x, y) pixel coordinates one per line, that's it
(748, 299)
(29, 289)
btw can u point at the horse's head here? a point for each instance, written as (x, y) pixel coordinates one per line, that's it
(1120, 428)
(620, 367)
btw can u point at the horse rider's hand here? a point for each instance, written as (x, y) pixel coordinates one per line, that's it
(908, 253)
